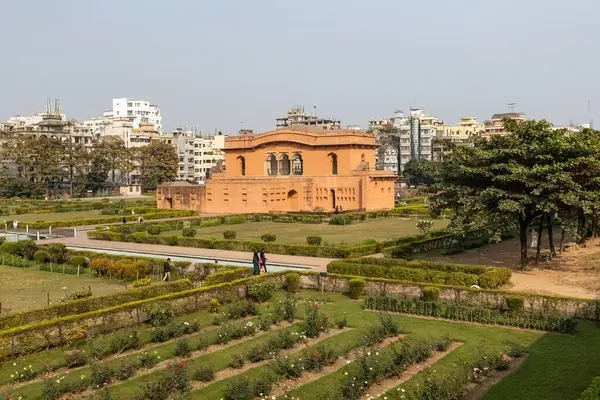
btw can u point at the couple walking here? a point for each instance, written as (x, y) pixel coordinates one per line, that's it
(260, 263)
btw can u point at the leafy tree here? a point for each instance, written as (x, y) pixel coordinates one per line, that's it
(97, 176)
(419, 173)
(116, 156)
(158, 163)
(534, 172)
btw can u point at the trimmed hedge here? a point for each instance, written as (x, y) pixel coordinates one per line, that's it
(239, 245)
(438, 309)
(229, 274)
(109, 219)
(105, 315)
(423, 271)
(59, 310)
(593, 391)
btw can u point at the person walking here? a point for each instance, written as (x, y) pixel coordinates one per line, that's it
(263, 261)
(124, 220)
(256, 263)
(167, 270)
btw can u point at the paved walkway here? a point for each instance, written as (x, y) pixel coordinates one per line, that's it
(314, 263)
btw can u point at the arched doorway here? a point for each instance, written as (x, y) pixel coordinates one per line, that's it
(332, 194)
(292, 200)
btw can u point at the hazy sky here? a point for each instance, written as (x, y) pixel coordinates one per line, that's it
(220, 62)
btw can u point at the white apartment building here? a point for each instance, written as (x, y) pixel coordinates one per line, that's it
(416, 132)
(197, 153)
(141, 111)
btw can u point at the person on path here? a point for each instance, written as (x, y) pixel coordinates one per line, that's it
(256, 263)
(124, 220)
(167, 269)
(263, 261)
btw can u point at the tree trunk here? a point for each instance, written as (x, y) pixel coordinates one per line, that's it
(581, 230)
(540, 233)
(550, 236)
(523, 224)
(562, 241)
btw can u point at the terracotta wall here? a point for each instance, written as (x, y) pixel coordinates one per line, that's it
(188, 197)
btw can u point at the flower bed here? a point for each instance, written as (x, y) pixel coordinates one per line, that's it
(438, 309)
(423, 271)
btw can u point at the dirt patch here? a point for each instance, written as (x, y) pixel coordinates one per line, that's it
(230, 372)
(388, 384)
(476, 391)
(287, 385)
(575, 273)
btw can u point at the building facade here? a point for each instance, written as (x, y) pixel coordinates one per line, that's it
(290, 169)
(198, 154)
(297, 116)
(495, 126)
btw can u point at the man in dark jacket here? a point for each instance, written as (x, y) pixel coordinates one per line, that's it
(167, 269)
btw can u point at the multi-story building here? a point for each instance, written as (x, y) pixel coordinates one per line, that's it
(198, 154)
(462, 134)
(141, 111)
(495, 126)
(297, 116)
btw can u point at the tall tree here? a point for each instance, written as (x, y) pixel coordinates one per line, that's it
(514, 178)
(419, 173)
(158, 163)
(115, 155)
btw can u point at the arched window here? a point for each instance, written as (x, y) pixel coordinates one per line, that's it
(272, 167)
(242, 165)
(284, 164)
(297, 164)
(333, 160)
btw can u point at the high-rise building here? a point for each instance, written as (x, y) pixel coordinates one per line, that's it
(198, 154)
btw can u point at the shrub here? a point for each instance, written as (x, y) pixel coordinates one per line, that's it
(388, 326)
(125, 369)
(515, 303)
(425, 226)
(78, 261)
(593, 391)
(229, 235)
(182, 348)
(430, 293)
(28, 249)
(292, 282)
(142, 282)
(154, 229)
(204, 373)
(101, 374)
(239, 388)
(148, 359)
(80, 294)
(41, 256)
(12, 248)
(357, 288)
(402, 251)
(340, 220)
(443, 344)
(214, 305)
(268, 237)
(289, 308)
(75, 358)
(124, 341)
(202, 344)
(235, 219)
(261, 291)
(317, 357)
(290, 368)
(159, 314)
(314, 322)
(515, 350)
(57, 253)
(188, 232)
(314, 240)
(22, 374)
(237, 361)
(342, 322)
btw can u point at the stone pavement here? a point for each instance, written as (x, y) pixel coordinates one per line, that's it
(314, 263)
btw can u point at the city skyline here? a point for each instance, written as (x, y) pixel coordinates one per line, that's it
(354, 61)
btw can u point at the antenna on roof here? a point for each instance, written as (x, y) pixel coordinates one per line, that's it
(511, 107)
(591, 121)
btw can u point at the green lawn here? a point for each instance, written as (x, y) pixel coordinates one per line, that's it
(558, 367)
(26, 288)
(378, 229)
(63, 216)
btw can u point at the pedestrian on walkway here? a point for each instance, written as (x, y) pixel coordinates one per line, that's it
(256, 263)
(263, 261)
(167, 269)
(124, 220)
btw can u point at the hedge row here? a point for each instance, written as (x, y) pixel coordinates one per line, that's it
(405, 274)
(91, 304)
(438, 309)
(429, 271)
(593, 391)
(48, 333)
(227, 275)
(239, 245)
(107, 220)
